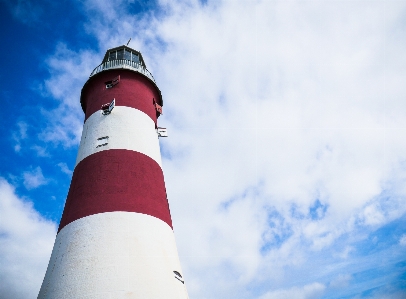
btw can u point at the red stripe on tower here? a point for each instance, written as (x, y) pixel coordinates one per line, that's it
(116, 180)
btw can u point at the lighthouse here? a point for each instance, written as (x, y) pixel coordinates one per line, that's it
(115, 238)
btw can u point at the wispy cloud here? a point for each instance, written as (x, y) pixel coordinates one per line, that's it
(40, 151)
(341, 281)
(34, 178)
(64, 168)
(402, 240)
(19, 135)
(69, 70)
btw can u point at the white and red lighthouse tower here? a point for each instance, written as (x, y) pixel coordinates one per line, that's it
(115, 238)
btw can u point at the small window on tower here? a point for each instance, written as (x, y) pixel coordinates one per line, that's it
(102, 141)
(111, 83)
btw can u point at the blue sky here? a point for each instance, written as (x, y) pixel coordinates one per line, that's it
(285, 164)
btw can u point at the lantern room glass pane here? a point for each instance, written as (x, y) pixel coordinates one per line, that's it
(127, 55)
(112, 55)
(135, 57)
(120, 54)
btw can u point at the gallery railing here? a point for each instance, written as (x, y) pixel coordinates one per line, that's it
(123, 64)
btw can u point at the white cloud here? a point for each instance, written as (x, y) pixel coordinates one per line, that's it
(341, 281)
(345, 252)
(34, 178)
(64, 168)
(26, 241)
(40, 151)
(20, 135)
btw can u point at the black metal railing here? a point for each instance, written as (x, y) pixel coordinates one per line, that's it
(123, 64)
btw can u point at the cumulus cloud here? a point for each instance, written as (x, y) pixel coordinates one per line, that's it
(285, 120)
(34, 178)
(26, 241)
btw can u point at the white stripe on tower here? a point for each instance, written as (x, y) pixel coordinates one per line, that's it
(126, 128)
(114, 255)
(115, 238)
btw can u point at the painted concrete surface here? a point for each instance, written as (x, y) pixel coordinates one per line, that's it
(114, 255)
(125, 128)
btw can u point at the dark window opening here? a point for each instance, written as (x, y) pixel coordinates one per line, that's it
(135, 57)
(102, 141)
(100, 145)
(178, 277)
(127, 55)
(111, 83)
(112, 55)
(120, 54)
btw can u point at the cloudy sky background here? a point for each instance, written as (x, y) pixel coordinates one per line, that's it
(285, 164)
